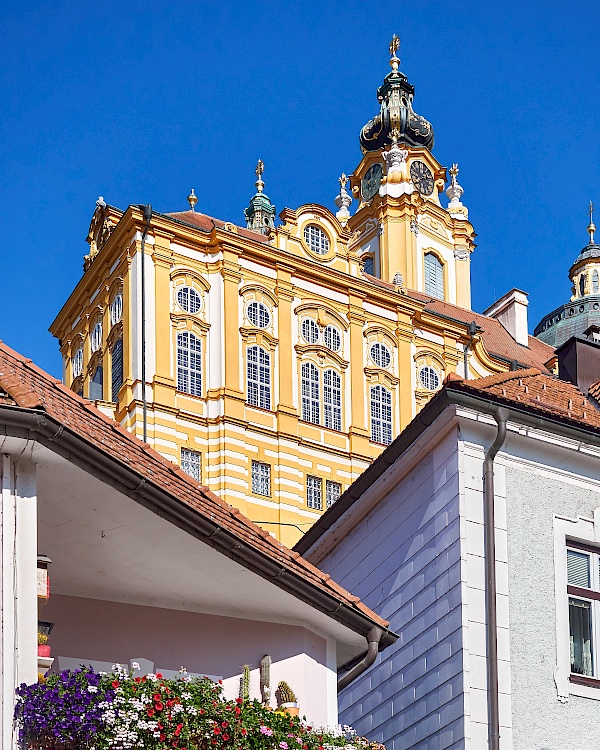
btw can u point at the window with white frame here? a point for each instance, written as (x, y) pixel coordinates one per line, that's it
(96, 336)
(258, 314)
(258, 371)
(116, 369)
(261, 478)
(116, 309)
(595, 282)
(583, 589)
(188, 299)
(311, 399)
(314, 492)
(434, 276)
(332, 399)
(191, 463)
(380, 354)
(332, 338)
(429, 378)
(333, 490)
(381, 414)
(310, 331)
(316, 239)
(78, 362)
(369, 264)
(189, 363)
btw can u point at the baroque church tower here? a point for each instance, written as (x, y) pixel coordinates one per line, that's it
(274, 363)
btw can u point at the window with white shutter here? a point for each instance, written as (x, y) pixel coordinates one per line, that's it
(434, 276)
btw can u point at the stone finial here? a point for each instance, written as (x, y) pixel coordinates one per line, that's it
(591, 226)
(192, 200)
(260, 168)
(398, 280)
(343, 201)
(101, 203)
(454, 193)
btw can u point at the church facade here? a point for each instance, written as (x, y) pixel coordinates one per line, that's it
(274, 364)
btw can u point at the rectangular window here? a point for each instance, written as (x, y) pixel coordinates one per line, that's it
(117, 369)
(583, 588)
(96, 389)
(261, 478)
(333, 490)
(314, 492)
(191, 463)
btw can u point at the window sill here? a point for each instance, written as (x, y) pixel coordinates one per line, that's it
(579, 679)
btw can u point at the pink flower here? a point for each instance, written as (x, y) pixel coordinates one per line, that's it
(267, 731)
(283, 745)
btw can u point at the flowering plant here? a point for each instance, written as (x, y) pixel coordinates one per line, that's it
(122, 711)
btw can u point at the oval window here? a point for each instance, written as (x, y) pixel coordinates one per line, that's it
(116, 309)
(380, 354)
(316, 239)
(96, 337)
(258, 314)
(310, 331)
(189, 299)
(78, 363)
(429, 378)
(332, 338)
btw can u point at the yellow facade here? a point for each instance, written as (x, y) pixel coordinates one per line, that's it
(295, 302)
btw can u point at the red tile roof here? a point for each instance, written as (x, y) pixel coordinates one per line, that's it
(206, 223)
(25, 385)
(496, 339)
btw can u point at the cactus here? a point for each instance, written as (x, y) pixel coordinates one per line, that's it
(286, 694)
(245, 683)
(265, 679)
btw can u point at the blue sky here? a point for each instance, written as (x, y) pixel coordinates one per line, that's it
(139, 102)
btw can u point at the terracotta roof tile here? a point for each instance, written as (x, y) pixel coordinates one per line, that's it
(206, 223)
(594, 391)
(496, 339)
(27, 386)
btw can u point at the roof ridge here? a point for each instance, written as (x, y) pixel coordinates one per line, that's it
(503, 377)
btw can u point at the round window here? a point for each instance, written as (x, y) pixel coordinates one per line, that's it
(429, 378)
(116, 309)
(316, 239)
(310, 331)
(96, 338)
(332, 338)
(78, 363)
(258, 314)
(380, 355)
(188, 299)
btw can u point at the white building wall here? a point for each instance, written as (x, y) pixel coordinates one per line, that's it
(403, 560)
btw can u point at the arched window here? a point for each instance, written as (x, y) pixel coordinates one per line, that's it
(258, 370)
(332, 338)
(595, 282)
(258, 314)
(188, 299)
(582, 284)
(332, 399)
(96, 393)
(96, 337)
(310, 393)
(117, 370)
(310, 331)
(189, 363)
(381, 415)
(434, 276)
(116, 309)
(78, 362)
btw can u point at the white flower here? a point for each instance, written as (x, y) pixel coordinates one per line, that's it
(92, 689)
(135, 665)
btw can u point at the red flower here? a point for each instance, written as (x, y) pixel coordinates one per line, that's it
(220, 682)
(150, 712)
(116, 683)
(201, 712)
(244, 732)
(156, 696)
(216, 730)
(144, 678)
(158, 706)
(163, 737)
(158, 674)
(238, 711)
(225, 737)
(224, 724)
(239, 701)
(138, 679)
(160, 725)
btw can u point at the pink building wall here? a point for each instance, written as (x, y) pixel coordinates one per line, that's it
(94, 630)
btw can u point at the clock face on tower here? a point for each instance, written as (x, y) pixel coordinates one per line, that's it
(371, 181)
(422, 177)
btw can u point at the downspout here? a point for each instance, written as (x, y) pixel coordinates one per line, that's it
(147, 209)
(490, 575)
(373, 639)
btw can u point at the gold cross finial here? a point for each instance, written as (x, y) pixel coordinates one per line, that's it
(591, 226)
(260, 168)
(343, 180)
(454, 170)
(394, 44)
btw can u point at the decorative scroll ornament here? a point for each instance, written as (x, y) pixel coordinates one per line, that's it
(395, 158)
(414, 225)
(343, 201)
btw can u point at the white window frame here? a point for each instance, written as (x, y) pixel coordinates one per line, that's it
(331, 334)
(193, 304)
(586, 531)
(260, 312)
(332, 400)
(310, 391)
(258, 377)
(261, 478)
(377, 351)
(333, 492)
(380, 424)
(191, 463)
(317, 239)
(116, 368)
(426, 373)
(96, 336)
(434, 281)
(116, 309)
(192, 368)
(78, 362)
(314, 492)
(311, 325)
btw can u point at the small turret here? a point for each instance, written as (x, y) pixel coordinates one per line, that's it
(260, 214)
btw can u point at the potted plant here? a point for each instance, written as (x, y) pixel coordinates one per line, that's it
(43, 647)
(286, 699)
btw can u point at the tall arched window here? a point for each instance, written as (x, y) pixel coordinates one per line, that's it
(258, 371)
(595, 282)
(582, 284)
(381, 415)
(310, 393)
(332, 399)
(434, 276)
(96, 390)
(117, 369)
(189, 363)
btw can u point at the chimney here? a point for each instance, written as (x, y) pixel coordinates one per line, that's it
(579, 362)
(511, 311)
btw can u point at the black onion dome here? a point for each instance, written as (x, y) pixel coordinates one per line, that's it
(396, 95)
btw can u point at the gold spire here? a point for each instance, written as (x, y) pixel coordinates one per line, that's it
(260, 168)
(591, 226)
(343, 180)
(192, 200)
(394, 45)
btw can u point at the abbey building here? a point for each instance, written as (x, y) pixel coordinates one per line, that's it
(275, 363)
